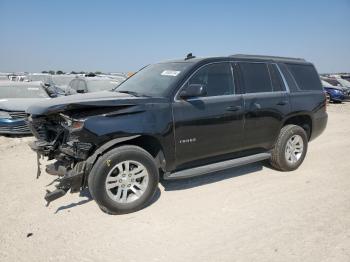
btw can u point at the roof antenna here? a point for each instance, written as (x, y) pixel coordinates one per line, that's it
(189, 56)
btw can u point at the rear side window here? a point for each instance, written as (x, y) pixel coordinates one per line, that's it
(305, 76)
(289, 78)
(256, 77)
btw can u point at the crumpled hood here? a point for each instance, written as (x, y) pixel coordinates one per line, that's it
(19, 104)
(89, 100)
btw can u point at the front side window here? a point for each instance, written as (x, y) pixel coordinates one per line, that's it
(215, 78)
(256, 77)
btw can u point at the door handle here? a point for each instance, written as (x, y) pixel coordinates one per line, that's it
(233, 108)
(257, 105)
(282, 103)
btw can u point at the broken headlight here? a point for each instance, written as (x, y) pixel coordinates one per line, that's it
(71, 123)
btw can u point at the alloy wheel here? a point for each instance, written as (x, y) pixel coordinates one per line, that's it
(294, 149)
(127, 181)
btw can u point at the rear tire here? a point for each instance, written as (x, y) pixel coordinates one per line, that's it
(123, 180)
(290, 148)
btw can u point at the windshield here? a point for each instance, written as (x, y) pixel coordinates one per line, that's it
(24, 91)
(154, 80)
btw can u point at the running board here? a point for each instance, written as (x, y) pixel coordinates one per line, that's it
(202, 170)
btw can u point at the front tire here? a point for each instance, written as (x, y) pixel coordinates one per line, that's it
(123, 180)
(290, 149)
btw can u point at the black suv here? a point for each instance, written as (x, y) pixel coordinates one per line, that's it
(179, 119)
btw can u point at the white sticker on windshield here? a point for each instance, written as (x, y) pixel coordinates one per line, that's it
(170, 73)
(33, 88)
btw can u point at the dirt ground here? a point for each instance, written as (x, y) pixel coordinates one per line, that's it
(251, 213)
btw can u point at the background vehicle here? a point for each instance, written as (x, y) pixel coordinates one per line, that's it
(336, 82)
(335, 94)
(183, 118)
(4, 78)
(91, 84)
(39, 77)
(15, 97)
(60, 83)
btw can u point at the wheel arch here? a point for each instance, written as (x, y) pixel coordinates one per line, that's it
(303, 120)
(149, 143)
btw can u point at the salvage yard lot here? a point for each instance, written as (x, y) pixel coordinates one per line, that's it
(251, 213)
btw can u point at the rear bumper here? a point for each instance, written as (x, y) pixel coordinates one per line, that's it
(14, 127)
(319, 125)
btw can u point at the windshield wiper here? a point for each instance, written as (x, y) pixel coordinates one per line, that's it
(131, 93)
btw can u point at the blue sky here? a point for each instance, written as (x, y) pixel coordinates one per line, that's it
(126, 35)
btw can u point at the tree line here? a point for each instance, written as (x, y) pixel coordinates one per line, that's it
(60, 72)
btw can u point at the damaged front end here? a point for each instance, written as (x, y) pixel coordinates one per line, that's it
(57, 138)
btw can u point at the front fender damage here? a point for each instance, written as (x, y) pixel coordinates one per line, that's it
(74, 160)
(70, 174)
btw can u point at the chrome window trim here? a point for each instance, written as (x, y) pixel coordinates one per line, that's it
(265, 93)
(283, 78)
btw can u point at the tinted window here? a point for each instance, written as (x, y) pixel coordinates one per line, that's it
(277, 82)
(256, 77)
(216, 78)
(289, 79)
(305, 76)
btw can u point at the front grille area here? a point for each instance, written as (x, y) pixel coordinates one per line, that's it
(18, 115)
(19, 129)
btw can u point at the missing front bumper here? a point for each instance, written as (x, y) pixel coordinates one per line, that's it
(68, 179)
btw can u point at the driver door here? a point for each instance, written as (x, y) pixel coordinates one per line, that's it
(209, 125)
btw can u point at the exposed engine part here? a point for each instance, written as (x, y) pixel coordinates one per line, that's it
(57, 168)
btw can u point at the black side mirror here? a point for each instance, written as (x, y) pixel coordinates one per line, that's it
(193, 90)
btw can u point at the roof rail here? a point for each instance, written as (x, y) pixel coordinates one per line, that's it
(268, 57)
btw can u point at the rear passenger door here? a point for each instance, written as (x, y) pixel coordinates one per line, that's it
(266, 102)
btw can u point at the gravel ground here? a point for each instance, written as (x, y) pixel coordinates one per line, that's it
(251, 213)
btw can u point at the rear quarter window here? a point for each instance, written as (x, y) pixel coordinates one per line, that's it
(305, 77)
